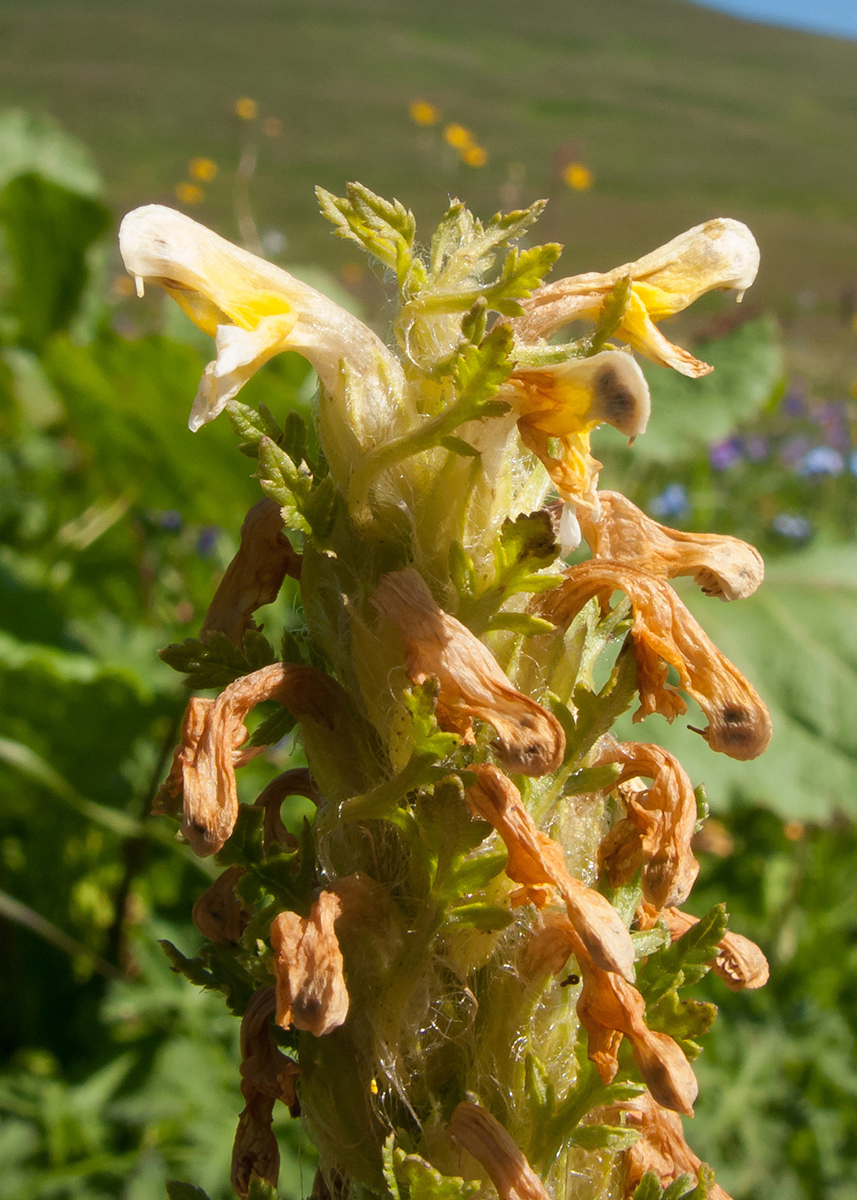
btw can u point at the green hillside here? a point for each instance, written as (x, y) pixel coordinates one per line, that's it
(680, 112)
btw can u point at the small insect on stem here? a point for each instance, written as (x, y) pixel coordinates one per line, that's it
(570, 980)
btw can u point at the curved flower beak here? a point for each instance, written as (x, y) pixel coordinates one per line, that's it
(721, 254)
(252, 308)
(567, 402)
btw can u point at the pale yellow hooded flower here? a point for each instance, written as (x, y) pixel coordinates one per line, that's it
(721, 254)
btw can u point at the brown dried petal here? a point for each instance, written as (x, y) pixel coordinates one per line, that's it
(213, 731)
(480, 1134)
(255, 1153)
(740, 963)
(530, 740)
(722, 566)
(297, 782)
(311, 992)
(665, 634)
(255, 575)
(664, 817)
(536, 859)
(661, 1148)
(219, 913)
(264, 1068)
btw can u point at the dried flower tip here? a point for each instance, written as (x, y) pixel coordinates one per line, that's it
(212, 733)
(219, 913)
(297, 782)
(739, 962)
(255, 310)
(658, 830)
(665, 634)
(264, 1068)
(530, 740)
(535, 860)
(474, 1129)
(719, 254)
(311, 992)
(255, 575)
(255, 1153)
(722, 566)
(661, 1147)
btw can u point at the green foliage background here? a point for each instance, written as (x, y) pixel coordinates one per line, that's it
(115, 523)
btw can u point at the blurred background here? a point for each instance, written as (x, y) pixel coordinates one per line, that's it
(637, 119)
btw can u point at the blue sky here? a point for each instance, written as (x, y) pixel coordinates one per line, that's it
(822, 16)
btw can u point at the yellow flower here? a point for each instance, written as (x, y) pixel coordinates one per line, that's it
(255, 310)
(458, 137)
(578, 177)
(246, 109)
(423, 113)
(474, 156)
(721, 254)
(204, 169)
(189, 193)
(567, 402)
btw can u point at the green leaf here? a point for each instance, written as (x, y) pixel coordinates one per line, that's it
(686, 960)
(251, 426)
(597, 712)
(683, 1186)
(419, 1180)
(260, 1189)
(689, 414)
(612, 1139)
(481, 370)
(649, 1188)
(49, 230)
(522, 623)
(523, 271)
(487, 917)
(184, 1191)
(683, 1020)
(217, 662)
(273, 729)
(524, 547)
(385, 228)
(31, 143)
(459, 446)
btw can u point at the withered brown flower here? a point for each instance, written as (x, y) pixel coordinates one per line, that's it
(722, 566)
(213, 730)
(311, 991)
(610, 1007)
(474, 1129)
(739, 962)
(267, 1075)
(657, 832)
(536, 860)
(219, 913)
(530, 740)
(665, 634)
(661, 1148)
(296, 782)
(255, 575)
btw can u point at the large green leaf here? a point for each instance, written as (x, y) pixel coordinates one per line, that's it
(796, 640)
(689, 414)
(38, 143)
(48, 231)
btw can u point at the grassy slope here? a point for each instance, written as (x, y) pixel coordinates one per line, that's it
(683, 113)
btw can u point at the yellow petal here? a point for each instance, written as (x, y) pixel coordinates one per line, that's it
(575, 396)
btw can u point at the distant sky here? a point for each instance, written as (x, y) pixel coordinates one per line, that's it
(838, 17)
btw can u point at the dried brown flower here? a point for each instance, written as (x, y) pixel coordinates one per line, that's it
(474, 1129)
(255, 575)
(722, 566)
(267, 1075)
(213, 730)
(535, 860)
(657, 832)
(296, 782)
(219, 913)
(311, 991)
(739, 963)
(530, 740)
(665, 634)
(661, 1148)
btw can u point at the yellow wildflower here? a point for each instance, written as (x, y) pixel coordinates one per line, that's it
(474, 156)
(203, 169)
(255, 310)
(246, 109)
(721, 254)
(458, 137)
(578, 177)
(189, 193)
(423, 113)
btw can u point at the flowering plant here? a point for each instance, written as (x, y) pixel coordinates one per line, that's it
(467, 969)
